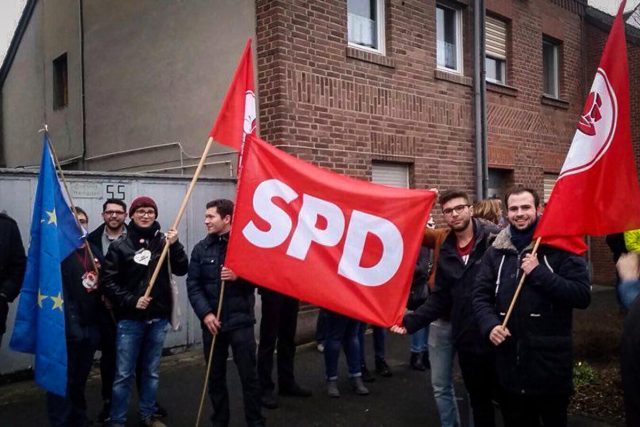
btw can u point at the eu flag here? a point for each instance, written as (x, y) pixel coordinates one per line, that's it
(39, 325)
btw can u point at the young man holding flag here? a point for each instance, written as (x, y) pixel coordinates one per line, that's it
(534, 351)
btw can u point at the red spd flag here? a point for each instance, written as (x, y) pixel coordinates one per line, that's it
(597, 190)
(237, 116)
(346, 245)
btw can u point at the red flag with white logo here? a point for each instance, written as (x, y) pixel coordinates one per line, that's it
(597, 191)
(237, 116)
(346, 245)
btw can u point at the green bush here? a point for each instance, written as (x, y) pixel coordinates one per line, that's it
(584, 374)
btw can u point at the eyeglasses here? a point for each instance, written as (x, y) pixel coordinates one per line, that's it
(113, 213)
(149, 212)
(458, 209)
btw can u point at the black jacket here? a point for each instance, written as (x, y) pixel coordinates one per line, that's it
(537, 358)
(203, 286)
(12, 265)
(124, 281)
(453, 290)
(81, 308)
(12, 259)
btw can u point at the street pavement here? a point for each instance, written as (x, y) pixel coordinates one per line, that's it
(405, 399)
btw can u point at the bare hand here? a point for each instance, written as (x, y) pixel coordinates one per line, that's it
(143, 302)
(397, 329)
(628, 266)
(212, 323)
(228, 275)
(435, 190)
(499, 334)
(529, 263)
(172, 236)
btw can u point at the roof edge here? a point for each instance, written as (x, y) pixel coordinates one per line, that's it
(27, 13)
(604, 21)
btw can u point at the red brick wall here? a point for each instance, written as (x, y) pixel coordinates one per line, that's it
(343, 108)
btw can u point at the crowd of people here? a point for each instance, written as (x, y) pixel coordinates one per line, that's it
(465, 279)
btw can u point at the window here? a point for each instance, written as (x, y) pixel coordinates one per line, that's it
(495, 50)
(391, 174)
(550, 66)
(549, 182)
(449, 38)
(499, 182)
(365, 22)
(60, 88)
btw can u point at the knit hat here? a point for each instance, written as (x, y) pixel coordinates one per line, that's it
(142, 202)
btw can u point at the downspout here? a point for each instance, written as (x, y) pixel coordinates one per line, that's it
(82, 103)
(479, 98)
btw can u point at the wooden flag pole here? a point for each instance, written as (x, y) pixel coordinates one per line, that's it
(515, 296)
(213, 344)
(73, 207)
(176, 222)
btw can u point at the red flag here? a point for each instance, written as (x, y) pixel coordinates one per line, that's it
(237, 116)
(597, 191)
(347, 245)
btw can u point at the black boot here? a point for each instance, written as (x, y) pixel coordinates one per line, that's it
(425, 360)
(416, 362)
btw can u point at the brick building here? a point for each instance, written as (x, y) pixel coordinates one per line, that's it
(376, 89)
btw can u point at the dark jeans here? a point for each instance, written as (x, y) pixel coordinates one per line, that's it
(71, 410)
(321, 326)
(549, 410)
(243, 345)
(630, 364)
(278, 324)
(108, 350)
(342, 331)
(379, 336)
(478, 373)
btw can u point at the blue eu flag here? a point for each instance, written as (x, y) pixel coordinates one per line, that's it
(39, 325)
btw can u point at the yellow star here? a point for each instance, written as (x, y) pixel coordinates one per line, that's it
(57, 301)
(41, 298)
(53, 219)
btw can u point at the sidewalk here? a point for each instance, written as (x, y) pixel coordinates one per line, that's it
(402, 400)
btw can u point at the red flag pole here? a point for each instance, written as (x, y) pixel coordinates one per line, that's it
(524, 276)
(176, 222)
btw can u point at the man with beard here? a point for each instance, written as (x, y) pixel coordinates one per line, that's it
(142, 321)
(458, 262)
(534, 351)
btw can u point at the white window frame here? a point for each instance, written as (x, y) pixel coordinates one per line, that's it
(496, 28)
(503, 65)
(459, 56)
(556, 65)
(380, 26)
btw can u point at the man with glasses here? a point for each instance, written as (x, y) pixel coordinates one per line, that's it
(461, 248)
(142, 321)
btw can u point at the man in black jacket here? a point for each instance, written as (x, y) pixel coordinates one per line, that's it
(235, 326)
(458, 264)
(114, 213)
(534, 352)
(142, 321)
(81, 310)
(12, 265)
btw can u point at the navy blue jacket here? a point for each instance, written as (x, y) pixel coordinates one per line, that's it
(537, 358)
(203, 286)
(453, 289)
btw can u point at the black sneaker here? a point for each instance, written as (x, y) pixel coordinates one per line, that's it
(382, 368)
(268, 400)
(366, 375)
(295, 391)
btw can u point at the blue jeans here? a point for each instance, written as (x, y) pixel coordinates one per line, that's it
(441, 354)
(341, 331)
(628, 291)
(379, 336)
(418, 340)
(134, 338)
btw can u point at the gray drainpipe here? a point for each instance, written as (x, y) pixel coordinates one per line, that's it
(82, 100)
(479, 97)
